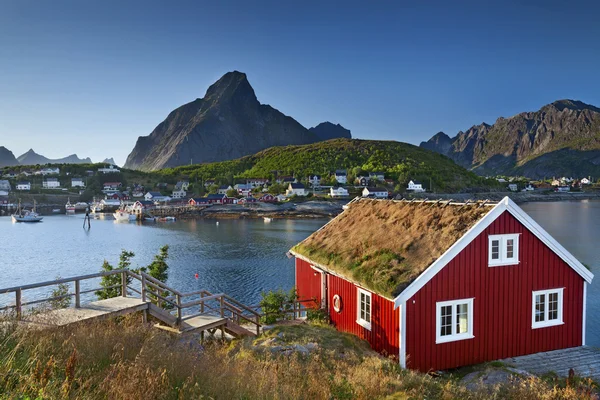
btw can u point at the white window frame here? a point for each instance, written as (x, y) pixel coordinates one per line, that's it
(546, 323)
(503, 260)
(454, 336)
(359, 320)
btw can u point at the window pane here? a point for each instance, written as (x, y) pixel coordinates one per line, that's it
(510, 243)
(552, 306)
(462, 318)
(446, 321)
(540, 301)
(495, 249)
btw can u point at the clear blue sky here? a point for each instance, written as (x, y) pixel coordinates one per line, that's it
(90, 77)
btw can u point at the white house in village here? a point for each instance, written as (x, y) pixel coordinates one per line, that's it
(244, 189)
(378, 193)
(156, 196)
(513, 187)
(5, 185)
(585, 181)
(341, 176)
(51, 183)
(314, 180)
(178, 194)
(111, 169)
(338, 192)
(257, 182)
(48, 171)
(281, 197)
(297, 189)
(77, 182)
(23, 185)
(415, 186)
(223, 189)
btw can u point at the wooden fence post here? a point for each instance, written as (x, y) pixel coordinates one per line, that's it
(124, 283)
(18, 303)
(143, 290)
(257, 325)
(222, 305)
(77, 294)
(202, 304)
(179, 316)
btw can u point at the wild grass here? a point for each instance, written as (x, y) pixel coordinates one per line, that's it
(124, 359)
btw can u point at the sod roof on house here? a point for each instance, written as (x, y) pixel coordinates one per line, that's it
(384, 245)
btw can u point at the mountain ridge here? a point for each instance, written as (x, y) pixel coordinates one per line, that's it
(227, 123)
(536, 144)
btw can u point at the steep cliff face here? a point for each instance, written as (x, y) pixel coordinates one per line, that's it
(327, 130)
(7, 158)
(227, 123)
(535, 144)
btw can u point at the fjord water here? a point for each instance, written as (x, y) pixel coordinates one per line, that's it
(237, 257)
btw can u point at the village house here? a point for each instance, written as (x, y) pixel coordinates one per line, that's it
(223, 189)
(415, 186)
(243, 189)
(111, 186)
(257, 182)
(77, 182)
(338, 192)
(341, 176)
(110, 169)
(283, 179)
(4, 201)
(51, 183)
(247, 200)
(376, 192)
(362, 181)
(216, 198)
(198, 201)
(297, 189)
(156, 196)
(377, 176)
(5, 185)
(24, 185)
(142, 206)
(555, 182)
(314, 180)
(182, 185)
(444, 285)
(26, 172)
(528, 188)
(513, 187)
(209, 183)
(268, 198)
(178, 194)
(389, 182)
(281, 197)
(116, 196)
(9, 174)
(585, 181)
(48, 171)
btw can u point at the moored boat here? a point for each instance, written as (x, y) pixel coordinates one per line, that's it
(26, 215)
(122, 215)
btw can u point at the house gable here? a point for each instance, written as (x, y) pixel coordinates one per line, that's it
(502, 303)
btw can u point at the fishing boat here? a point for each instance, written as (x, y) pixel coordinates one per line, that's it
(122, 215)
(69, 208)
(77, 207)
(26, 215)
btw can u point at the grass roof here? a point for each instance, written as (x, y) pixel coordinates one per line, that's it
(384, 245)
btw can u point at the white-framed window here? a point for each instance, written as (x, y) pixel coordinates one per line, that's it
(454, 320)
(503, 250)
(546, 308)
(363, 311)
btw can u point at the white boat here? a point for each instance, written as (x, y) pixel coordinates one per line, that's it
(122, 215)
(77, 207)
(267, 219)
(56, 210)
(150, 219)
(164, 219)
(26, 215)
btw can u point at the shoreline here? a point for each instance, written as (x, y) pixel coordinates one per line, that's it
(517, 197)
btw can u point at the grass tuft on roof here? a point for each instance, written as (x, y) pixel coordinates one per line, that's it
(385, 245)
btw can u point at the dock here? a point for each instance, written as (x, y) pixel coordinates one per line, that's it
(176, 312)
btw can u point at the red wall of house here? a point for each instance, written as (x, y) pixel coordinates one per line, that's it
(308, 284)
(502, 304)
(384, 335)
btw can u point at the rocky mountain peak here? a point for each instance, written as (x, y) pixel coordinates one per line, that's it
(327, 130)
(232, 85)
(574, 105)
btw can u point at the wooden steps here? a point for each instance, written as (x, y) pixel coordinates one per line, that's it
(236, 330)
(162, 315)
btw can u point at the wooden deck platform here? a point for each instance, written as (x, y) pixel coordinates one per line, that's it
(98, 309)
(584, 360)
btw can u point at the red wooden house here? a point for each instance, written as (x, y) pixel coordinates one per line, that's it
(445, 285)
(268, 198)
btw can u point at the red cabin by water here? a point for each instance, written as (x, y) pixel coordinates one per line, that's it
(443, 285)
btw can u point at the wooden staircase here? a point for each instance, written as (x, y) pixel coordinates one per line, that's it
(180, 313)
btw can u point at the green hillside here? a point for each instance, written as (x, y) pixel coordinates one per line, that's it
(400, 162)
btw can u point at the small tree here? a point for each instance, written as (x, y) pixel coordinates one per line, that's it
(158, 268)
(276, 304)
(232, 193)
(112, 280)
(62, 289)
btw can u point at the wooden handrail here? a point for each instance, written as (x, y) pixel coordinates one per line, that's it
(161, 284)
(59, 281)
(202, 300)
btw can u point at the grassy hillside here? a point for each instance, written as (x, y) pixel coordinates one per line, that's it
(399, 161)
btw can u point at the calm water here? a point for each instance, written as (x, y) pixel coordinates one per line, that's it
(237, 257)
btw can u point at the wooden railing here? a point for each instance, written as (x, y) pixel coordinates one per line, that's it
(77, 292)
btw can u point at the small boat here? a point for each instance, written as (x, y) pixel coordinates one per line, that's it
(26, 215)
(267, 219)
(150, 219)
(165, 219)
(56, 210)
(77, 207)
(70, 208)
(122, 215)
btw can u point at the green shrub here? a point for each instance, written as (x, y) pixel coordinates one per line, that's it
(277, 305)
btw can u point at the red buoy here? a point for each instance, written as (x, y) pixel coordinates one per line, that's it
(196, 275)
